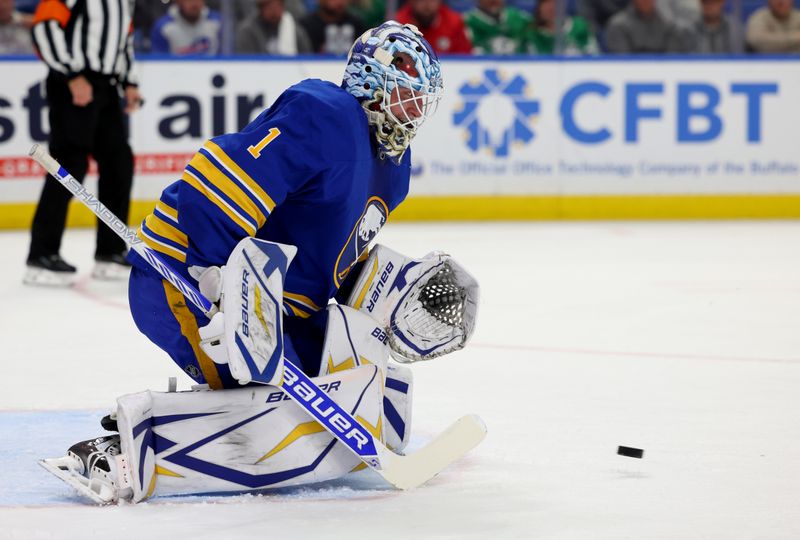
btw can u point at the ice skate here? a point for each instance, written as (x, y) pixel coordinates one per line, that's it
(111, 268)
(95, 468)
(49, 271)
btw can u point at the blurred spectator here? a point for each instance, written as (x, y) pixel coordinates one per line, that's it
(145, 15)
(714, 32)
(332, 28)
(496, 29)
(640, 28)
(188, 28)
(271, 30)
(683, 12)
(243, 9)
(147, 12)
(463, 6)
(26, 7)
(775, 28)
(578, 38)
(441, 26)
(372, 12)
(526, 6)
(598, 12)
(15, 35)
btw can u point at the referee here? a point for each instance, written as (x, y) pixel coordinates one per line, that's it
(88, 46)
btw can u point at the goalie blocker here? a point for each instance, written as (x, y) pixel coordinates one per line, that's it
(247, 331)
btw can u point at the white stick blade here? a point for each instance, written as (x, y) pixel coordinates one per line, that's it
(406, 472)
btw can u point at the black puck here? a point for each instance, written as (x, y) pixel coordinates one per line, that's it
(630, 452)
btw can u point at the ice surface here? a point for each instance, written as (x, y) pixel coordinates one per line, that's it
(679, 338)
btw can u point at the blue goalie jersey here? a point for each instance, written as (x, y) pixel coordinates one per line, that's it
(304, 172)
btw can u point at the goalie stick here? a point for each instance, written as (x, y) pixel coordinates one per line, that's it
(402, 471)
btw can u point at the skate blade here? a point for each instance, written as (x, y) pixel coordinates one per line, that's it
(94, 490)
(110, 272)
(40, 277)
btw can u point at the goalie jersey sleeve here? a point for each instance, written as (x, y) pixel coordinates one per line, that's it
(304, 173)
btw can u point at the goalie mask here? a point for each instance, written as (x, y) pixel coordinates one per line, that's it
(393, 71)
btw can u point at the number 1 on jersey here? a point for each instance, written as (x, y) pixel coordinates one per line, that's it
(255, 150)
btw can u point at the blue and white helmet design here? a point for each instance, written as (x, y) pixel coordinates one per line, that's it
(393, 71)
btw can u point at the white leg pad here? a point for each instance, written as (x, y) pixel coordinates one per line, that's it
(134, 418)
(397, 398)
(239, 440)
(352, 339)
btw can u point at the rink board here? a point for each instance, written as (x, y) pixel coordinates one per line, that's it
(521, 138)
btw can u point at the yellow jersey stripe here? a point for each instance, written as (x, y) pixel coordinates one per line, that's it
(167, 210)
(297, 311)
(162, 228)
(231, 166)
(228, 187)
(161, 247)
(300, 299)
(188, 324)
(221, 203)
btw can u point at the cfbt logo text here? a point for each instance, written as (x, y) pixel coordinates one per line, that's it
(697, 114)
(500, 111)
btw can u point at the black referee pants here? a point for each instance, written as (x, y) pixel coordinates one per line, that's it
(98, 129)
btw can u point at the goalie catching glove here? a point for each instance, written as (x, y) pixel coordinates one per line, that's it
(247, 333)
(427, 306)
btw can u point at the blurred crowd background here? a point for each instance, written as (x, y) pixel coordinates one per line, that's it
(495, 27)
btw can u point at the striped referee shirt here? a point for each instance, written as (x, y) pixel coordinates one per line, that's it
(77, 36)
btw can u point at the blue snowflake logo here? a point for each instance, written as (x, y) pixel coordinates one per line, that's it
(494, 100)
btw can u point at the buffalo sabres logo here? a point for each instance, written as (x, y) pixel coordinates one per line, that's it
(365, 229)
(371, 223)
